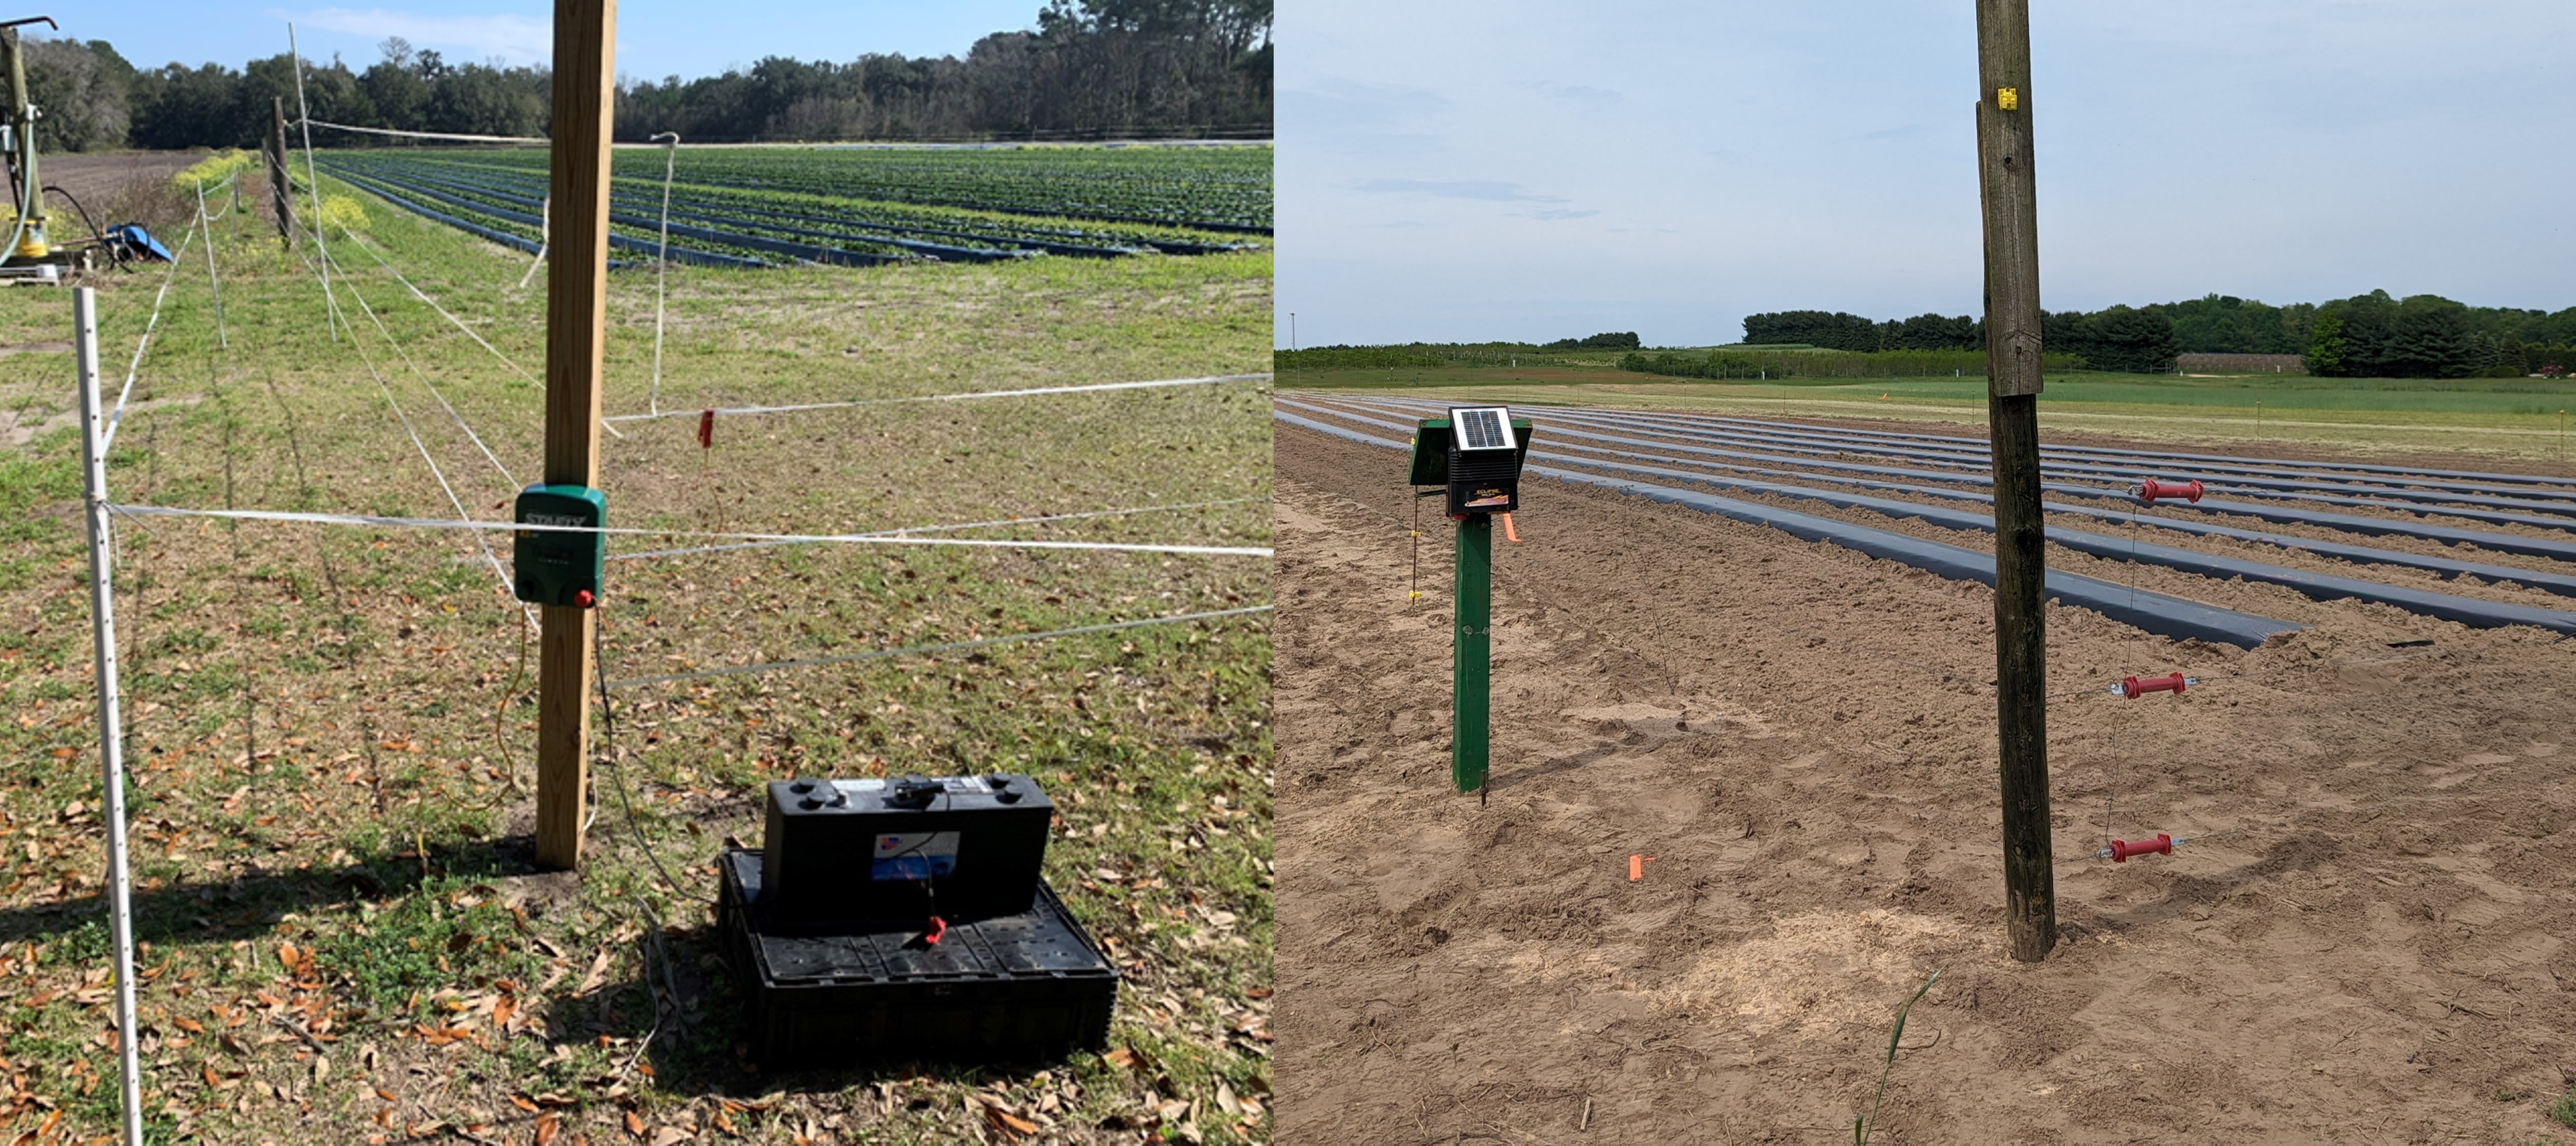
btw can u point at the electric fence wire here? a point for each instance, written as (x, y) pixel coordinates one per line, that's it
(434, 471)
(962, 396)
(360, 241)
(933, 649)
(617, 774)
(202, 189)
(314, 179)
(309, 123)
(510, 483)
(481, 526)
(362, 244)
(908, 530)
(213, 283)
(545, 240)
(116, 416)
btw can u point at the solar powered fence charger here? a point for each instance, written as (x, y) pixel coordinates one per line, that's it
(560, 567)
(1476, 454)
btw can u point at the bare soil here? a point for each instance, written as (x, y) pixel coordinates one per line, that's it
(129, 187)
(2368, 945)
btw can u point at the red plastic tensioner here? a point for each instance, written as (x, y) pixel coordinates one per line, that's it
(2121, 850)
(2135, 687)
(2151, 489)
(938, 930)
(707, 430)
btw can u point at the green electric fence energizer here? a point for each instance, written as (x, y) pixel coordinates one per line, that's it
(560, 566)
(1474, 455)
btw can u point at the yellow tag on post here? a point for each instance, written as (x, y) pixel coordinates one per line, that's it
(2009, 99)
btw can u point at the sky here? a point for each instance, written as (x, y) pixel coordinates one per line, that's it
(655, 38)
(1516, 170)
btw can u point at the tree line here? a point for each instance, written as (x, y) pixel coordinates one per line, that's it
(1613, 340)
(1089, 69)
(2372, 335)
(2132, 339)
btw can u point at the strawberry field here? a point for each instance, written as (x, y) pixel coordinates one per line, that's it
(856, 206)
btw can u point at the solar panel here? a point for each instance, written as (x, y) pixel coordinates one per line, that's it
(1483, 427)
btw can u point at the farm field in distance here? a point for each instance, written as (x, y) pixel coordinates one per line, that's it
(330, 729)
(2365, 933)
(2505, 418)
(859, 205)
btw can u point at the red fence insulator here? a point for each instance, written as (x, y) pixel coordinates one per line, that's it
(2135, 687)
(707, 430)
(2121, 850)
(2151, 489)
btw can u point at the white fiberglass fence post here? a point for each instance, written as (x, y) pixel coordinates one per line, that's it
(662, 261)
(111, 732)
(208, 226)
(304, 115)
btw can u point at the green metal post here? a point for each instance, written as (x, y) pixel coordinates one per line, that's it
(1473, 667)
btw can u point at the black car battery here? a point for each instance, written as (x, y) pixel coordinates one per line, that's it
(850, 852)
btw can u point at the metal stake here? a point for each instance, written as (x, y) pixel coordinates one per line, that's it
(111, 733)
(1472, 669)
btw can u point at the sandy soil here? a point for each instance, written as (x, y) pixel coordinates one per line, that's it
(2373, 951)
(88, 175)
(129, 187)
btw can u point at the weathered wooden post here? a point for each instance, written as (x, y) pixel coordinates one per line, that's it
(282, 196)
(2009, 194)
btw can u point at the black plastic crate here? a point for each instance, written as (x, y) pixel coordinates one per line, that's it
(1013, 988)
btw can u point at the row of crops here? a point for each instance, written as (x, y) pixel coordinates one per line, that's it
(856, 206)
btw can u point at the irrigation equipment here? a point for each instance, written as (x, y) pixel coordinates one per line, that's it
(32, 253)
(1473, 458)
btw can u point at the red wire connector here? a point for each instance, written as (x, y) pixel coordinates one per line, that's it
(2151, 489)
(938, 930)
(707, 430)
(2121, 850)
(2135, 687)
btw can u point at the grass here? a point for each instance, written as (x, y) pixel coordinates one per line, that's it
(342, 939)
(2514, 417)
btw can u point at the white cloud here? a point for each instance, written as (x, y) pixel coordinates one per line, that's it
(512, 39)
(1745, 156)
